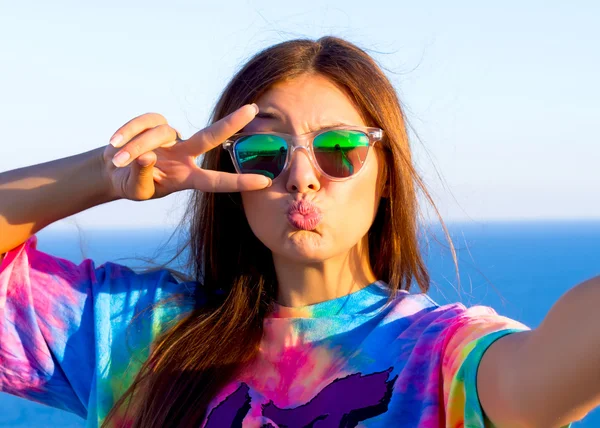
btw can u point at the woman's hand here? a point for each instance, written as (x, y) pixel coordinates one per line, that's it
(145, 159)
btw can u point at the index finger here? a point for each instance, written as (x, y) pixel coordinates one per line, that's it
(135, 126)
(210, 137)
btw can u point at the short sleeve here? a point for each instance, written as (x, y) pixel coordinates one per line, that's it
(469, 336)
(65, 336)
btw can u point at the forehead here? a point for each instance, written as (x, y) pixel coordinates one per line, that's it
(304, 104)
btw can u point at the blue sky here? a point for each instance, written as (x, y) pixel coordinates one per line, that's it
(504, 98)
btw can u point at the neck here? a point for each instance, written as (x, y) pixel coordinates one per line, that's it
(301, 284)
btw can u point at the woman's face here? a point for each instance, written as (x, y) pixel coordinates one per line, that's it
(345, 209)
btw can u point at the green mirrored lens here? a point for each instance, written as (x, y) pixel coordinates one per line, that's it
(261, 154)
(341, 153)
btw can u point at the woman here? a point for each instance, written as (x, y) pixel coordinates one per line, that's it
(304, 244)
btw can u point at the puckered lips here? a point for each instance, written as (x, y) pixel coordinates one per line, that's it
(304, 215)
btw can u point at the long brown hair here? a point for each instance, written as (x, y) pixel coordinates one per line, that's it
(193, 360)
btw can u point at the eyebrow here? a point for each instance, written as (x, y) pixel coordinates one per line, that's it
(275, 116)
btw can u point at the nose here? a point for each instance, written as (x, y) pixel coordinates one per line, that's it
(302, 177)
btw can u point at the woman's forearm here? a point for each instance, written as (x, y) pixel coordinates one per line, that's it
(36, 196)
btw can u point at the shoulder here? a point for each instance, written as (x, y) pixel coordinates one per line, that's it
(126, 294)
(420, 311)
(449, 328)
(101, 295)
(457, 337)
(423, 309)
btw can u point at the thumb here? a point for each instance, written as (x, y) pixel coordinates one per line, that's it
(143, 176)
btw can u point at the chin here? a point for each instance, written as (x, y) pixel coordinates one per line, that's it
(302, 257)
(305, 246)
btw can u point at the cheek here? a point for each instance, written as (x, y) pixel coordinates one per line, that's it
(357, 199)
(264, 214)
(355, 207)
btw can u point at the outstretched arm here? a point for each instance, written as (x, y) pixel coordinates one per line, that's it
(550, 376)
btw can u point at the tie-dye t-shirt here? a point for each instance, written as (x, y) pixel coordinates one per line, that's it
(358, 360)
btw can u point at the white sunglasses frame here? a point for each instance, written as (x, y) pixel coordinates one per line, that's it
(305, 142)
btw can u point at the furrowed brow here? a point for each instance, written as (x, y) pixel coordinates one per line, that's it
(333, 125)
(268, 115)
(275, 116)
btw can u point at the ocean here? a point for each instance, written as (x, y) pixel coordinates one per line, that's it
(518, 268)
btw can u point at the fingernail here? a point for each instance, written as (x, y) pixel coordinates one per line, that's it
(255, 108)
(116, 140)
(266, 182)
(120, 158)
